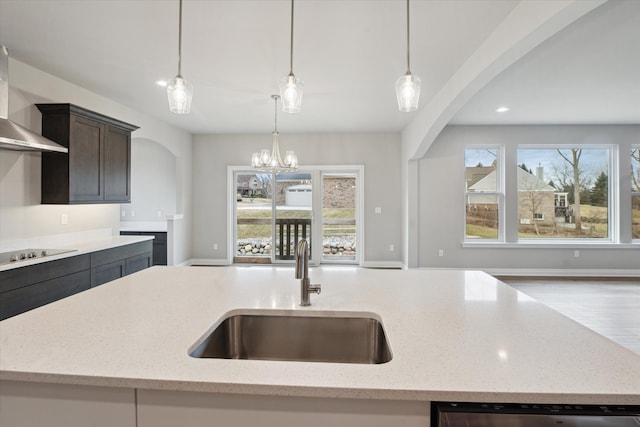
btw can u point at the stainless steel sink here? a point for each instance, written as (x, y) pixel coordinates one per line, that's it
(304, 338)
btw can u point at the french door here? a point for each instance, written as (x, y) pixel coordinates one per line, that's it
(272, 212)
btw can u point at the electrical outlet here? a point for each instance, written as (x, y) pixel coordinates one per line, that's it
(392, 248)
(159, 213)
(378, 210)
(133, 213)
(123, 213)
(441, 252)
(64, 219)
(215, 246)
(576, 254)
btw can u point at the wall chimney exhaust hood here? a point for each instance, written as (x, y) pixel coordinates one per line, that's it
(12, 135)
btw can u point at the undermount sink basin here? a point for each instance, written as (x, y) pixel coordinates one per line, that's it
(295, 337)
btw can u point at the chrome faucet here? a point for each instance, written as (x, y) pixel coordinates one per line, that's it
(302, 273)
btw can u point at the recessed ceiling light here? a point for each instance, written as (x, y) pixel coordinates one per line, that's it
(161, 83)
(502, 109)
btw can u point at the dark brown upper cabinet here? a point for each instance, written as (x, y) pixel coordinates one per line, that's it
(97, 168)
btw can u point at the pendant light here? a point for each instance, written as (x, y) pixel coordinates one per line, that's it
(408, 86)
(273, 163)
(290, 86)
(179, 91)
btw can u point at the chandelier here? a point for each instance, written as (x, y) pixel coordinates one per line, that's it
(273, 162)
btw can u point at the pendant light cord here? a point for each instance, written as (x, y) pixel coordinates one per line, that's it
(275, 98)
(180, 41)
(408, 48)
(291, 50)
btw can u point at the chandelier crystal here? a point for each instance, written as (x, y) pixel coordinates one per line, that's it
(291, 87)
(179, 91)
(408, 86)
(273, 162)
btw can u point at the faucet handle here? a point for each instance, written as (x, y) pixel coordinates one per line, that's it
(315, 288)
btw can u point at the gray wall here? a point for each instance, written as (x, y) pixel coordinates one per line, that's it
(441, 201)
(21, 214)
(378, 152)
(153, 182)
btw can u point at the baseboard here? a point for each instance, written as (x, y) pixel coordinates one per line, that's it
(541, 272)
(382, 264)
(208, 261)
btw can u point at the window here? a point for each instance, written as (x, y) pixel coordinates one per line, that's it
(564, 192)
(635, 192)
(483, 193)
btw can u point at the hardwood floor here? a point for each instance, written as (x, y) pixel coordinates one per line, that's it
(610, 307)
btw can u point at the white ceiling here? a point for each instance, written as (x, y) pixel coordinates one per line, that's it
(348, 52)
(589, 73)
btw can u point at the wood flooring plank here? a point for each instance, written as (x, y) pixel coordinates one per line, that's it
(610, 307)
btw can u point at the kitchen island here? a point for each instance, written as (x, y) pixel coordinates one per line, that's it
(122, 348)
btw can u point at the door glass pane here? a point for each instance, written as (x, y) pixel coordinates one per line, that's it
(293, 199)
(253, 216)
(339, 217)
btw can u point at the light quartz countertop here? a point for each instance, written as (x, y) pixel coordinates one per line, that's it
(144, 226)
(78, 248)
(455, 335)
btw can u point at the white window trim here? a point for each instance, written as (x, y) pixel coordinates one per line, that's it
(499, 193)
(614, 240)
(613, 201)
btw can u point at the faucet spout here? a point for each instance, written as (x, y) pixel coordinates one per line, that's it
(302, 260)
(302, 273)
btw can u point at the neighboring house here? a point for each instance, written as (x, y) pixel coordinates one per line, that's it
(251, 185)
(537, 200)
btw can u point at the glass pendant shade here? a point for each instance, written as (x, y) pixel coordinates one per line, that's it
(180, 93)
(408, 92)
(291, 91)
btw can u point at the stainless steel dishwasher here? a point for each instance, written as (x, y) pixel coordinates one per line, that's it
(453, 414)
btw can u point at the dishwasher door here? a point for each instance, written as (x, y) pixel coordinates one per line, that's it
(533, 415)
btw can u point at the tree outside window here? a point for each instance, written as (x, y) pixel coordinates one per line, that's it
(565, 195)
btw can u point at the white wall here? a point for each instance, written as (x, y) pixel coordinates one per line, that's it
(378, 152)
(441, 202)
(153, 182)
(21, 215)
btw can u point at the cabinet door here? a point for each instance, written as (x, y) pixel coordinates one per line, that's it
(29, 297)
(107, 272)
(85, 165)
(138, 262)
(117, 165)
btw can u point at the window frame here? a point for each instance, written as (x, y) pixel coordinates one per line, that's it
(499, 193)
(613, 227)
(635, 241)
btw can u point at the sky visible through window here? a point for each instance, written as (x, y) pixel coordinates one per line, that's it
(593, 160)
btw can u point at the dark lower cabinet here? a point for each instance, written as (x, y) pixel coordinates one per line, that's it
(111, 264)
(107, 272)
(25, 288)
(159, 244)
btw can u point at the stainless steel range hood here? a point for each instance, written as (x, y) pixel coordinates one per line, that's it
(12, 135)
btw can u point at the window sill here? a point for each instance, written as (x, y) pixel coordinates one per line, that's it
(549, 245)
